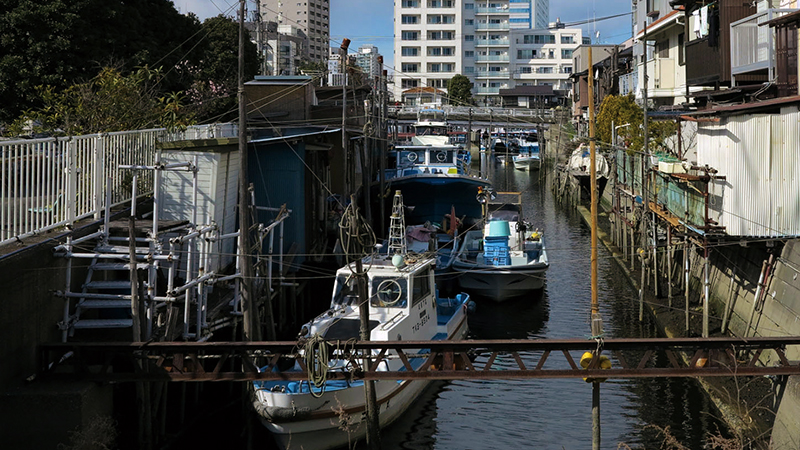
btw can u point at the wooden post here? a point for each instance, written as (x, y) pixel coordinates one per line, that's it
(669, 265)
(706, 288)
(373, 420)
(686, 277)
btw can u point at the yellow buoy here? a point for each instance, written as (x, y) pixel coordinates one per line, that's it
(604, 363)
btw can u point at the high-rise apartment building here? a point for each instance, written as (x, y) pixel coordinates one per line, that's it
(437, 39)
(310, 16)
(367, 60)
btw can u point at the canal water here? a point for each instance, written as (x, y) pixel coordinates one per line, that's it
(556, 414)
(540, 414)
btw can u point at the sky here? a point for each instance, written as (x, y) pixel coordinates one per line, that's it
(371, 21)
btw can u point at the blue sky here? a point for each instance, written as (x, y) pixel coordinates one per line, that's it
(371, 21)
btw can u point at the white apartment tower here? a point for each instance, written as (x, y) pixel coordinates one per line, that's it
(437, 39)
(312, 17)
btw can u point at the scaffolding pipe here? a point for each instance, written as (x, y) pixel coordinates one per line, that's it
(706, 288)
(686, 277)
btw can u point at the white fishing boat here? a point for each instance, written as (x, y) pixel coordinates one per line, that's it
(506, 258)
(528, 157)
(403, 305)
(431, 128)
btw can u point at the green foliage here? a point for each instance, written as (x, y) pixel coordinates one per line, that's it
(621, 110)
(459, 89)
(109, 102)
(59, 43)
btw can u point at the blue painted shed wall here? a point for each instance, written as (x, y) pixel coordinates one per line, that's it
(278, 177)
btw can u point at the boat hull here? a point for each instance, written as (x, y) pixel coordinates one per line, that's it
(500, 283)
(337, 418)
(429, 197)
(527, 163)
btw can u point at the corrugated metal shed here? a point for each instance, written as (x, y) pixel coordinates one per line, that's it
(218, 178)
(758, 155)
(277, 173)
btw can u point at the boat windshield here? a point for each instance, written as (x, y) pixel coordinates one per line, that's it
(430, 131)
(345, 291)
(389, 292)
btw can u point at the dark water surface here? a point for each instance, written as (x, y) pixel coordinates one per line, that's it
(555, 414)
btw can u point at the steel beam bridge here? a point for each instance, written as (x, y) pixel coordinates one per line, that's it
(422, 360)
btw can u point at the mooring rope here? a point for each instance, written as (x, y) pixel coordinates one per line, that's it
(315, 352)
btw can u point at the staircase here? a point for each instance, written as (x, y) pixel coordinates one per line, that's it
(104, 301)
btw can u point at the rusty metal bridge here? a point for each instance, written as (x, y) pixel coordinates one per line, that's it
(469, 359)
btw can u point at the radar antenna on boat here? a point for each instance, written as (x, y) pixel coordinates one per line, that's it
(397, 227)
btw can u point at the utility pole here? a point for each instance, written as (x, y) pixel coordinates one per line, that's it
(348, 176)
(646, 159)
(596, 319)
(382, 147)
(262, 64)
(251, 325)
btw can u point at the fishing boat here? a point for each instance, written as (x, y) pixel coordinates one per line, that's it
(431, 128)
(504, 259)
(434, 181)
(403, 305)
(579, 166)
(528, 157)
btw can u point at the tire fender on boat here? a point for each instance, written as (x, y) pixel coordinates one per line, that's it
(279, 414)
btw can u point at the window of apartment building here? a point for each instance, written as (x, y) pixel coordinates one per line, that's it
(435, 67)
(566, 54)
(409, 35)
(469, 69)
(440, 3)
(410, 4)
(408, 84)
(407, 19)
(525, 69)
(544, 70)
(440, 35)
(448, 67)
(409, 51)
(469, 38)
(469, 21)
(469, 5)
(662, 48)
(441, 51)
(439, 18)
(437, 82)
(495, 69)
(566, 69)
(517, 20)
(409, 67)
(526, 54)
(469, 54)
(567, 39)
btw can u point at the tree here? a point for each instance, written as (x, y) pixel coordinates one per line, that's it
(459, 89)
(59, 43)
(622, 110)
(215, 70)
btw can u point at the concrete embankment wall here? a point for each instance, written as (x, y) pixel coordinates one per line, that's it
(36, 414)
(734, 272)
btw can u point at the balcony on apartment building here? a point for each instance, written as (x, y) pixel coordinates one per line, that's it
(492, 42)
(491, 58)
(496, 10)
(661, 77)
(492, 26)
(489, 90)
(484, 74)
(753, 47)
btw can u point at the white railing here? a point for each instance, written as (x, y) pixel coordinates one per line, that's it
(491, 26)
(491, 58)
(487, 42)
(753, 43)
(53, 182)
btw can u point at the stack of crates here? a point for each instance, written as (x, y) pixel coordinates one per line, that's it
(495, 250)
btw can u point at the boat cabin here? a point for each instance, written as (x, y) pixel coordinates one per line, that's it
(423, 159)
